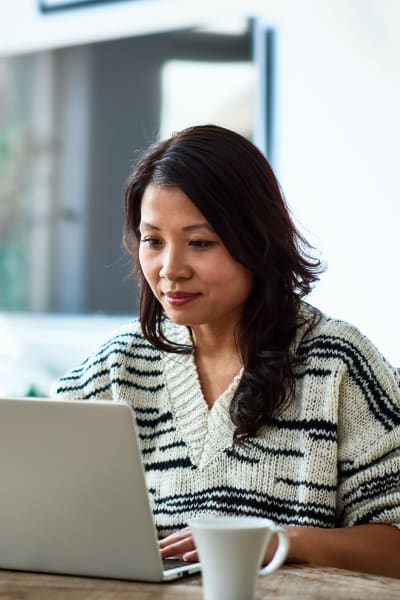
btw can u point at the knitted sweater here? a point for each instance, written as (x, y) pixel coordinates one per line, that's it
(331, 458)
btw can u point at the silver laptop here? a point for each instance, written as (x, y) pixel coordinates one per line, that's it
(73, 497)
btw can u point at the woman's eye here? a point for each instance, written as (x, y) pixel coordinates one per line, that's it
(201, 243)
(150, 241)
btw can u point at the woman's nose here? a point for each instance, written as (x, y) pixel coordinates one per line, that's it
(175, 266)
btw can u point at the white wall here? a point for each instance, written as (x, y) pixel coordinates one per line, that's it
(338, 151)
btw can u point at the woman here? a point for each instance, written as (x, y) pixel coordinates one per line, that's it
(247, 400)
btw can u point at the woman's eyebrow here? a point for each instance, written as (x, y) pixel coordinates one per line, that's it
(197, 226)
(187, 228)
(149, 225)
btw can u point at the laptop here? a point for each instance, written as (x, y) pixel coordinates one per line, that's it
(73, 493)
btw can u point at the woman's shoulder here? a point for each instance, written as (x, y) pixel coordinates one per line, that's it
(126, 335)
(129, 338)
(326, 328)
(126, 339)
(124, 350)
(340, 340)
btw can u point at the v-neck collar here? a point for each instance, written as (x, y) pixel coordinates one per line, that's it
(205, 431)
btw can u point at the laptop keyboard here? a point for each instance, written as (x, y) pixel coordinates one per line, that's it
(174, 563)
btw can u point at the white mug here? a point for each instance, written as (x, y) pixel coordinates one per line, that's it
(231, 550)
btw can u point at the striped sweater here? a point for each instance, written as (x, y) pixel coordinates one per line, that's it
(331, 458)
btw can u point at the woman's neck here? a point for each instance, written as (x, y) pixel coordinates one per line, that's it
(217, 359)
(210, 342)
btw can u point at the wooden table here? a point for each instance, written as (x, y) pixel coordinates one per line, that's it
(308, 583)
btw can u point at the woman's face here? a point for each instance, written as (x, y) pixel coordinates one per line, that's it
(185, 263)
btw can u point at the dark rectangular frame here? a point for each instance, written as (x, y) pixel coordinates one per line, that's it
(46, 7)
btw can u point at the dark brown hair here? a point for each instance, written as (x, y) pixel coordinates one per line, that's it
(232, 184)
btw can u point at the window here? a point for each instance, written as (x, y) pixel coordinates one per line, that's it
(196, 92)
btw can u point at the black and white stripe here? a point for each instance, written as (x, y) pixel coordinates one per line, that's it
(331, 458)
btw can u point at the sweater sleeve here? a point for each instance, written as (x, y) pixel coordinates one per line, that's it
(369, 436)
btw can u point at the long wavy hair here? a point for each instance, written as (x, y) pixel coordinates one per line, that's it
(233, 186)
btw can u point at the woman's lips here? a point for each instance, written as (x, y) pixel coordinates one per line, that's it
(179, 298)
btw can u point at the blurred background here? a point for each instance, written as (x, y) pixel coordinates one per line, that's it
(85, 85)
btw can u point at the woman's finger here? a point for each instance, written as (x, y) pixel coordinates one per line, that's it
(174, 537)
(178, 547)
(191, 556)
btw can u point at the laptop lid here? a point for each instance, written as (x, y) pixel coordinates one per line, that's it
(73, 492)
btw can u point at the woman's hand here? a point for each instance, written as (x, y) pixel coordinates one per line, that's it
(372, 548)
(179, 543)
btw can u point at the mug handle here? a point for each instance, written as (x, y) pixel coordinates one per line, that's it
(280, 553)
